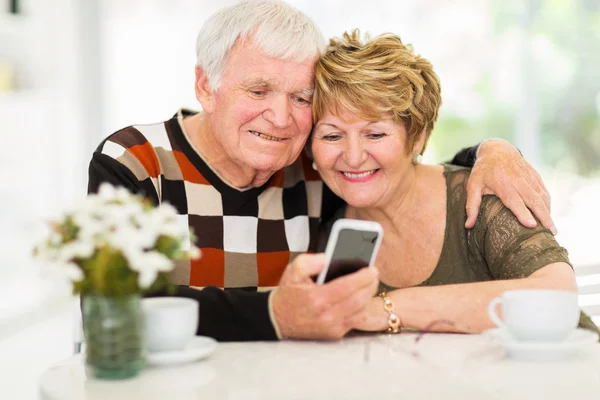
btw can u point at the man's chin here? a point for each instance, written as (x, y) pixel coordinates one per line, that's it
(266, 162)
(263, 166)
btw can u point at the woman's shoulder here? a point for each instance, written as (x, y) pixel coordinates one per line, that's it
(456, 185)
(456, 169)
(456, 175)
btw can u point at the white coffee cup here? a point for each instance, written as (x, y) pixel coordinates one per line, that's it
(537, 314)
(169, 322)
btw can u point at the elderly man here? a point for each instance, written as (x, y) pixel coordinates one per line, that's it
(237, 176)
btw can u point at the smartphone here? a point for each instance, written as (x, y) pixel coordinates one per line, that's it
(352, 245)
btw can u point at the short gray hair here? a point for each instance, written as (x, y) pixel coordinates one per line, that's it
(278, 29)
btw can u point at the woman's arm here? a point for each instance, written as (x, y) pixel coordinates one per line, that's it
(465, 305)
(514, 257)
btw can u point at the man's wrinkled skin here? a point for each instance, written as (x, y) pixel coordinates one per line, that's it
(516, 183)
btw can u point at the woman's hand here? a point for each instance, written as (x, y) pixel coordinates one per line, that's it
(501, 170)
(373, 318)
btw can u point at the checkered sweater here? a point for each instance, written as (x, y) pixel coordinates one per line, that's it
(247, 237)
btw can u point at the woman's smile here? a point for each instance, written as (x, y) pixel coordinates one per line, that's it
(359, 176)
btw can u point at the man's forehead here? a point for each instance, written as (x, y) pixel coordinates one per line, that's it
(258, 68)
(281, 83)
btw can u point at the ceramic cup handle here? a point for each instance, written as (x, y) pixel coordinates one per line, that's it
(492, 312)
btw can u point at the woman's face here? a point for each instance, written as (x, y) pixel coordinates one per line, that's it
(363, 162)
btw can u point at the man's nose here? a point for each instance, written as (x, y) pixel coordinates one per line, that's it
(279, 111)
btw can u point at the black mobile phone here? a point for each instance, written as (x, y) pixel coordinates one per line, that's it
(352, 245)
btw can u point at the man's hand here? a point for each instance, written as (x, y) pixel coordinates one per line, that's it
(305, 310)
(501, 170)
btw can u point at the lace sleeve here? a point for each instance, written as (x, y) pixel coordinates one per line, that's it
(509, 249)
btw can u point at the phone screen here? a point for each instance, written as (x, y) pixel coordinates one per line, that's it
(353, 251)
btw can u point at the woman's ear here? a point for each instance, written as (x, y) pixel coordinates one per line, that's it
(419, 145)
(204, 93)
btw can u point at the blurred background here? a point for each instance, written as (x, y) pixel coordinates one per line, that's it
(73, 71)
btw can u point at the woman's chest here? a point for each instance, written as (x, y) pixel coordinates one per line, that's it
(408, 260)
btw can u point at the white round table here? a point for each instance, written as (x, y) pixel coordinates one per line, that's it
(448, 366)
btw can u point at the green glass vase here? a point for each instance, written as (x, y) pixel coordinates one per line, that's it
(113, 335)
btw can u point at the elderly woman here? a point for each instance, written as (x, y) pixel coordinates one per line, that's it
(375, 106)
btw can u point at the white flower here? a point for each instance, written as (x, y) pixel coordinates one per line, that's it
(151, 223)
(90, 229)
(175, 230)
(77, 249)
(117, 219)
(147, 260)
(106, 191)
(69, 271)
(194, 253)
(90, 205)
(148, 264)
(47, 253)
(166, 210)
(124, 195)
(73, 272)
(146, 278)
(127, 237)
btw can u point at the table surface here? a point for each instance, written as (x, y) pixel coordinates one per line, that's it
(448, 366)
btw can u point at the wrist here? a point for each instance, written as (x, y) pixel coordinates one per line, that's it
(393, 321)
(273, 315)
(379, 317)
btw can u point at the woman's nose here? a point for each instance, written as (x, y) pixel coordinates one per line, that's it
(355, 154)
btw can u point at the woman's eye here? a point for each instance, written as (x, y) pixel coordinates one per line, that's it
(376, 135)
(332, 138)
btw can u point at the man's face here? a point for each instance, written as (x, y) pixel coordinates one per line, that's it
(262, 112)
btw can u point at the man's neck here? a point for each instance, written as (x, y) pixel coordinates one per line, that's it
(232, 172)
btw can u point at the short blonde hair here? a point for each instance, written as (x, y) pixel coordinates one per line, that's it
(378, 78)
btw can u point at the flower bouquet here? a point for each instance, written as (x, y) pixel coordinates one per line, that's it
(115, 247)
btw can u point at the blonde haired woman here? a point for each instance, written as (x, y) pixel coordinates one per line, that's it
(375, 106)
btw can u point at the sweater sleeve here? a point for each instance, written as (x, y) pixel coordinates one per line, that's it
(104, 168)
(465, 157)
(231, 314)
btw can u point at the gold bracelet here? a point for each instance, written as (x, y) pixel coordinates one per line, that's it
(394, 321)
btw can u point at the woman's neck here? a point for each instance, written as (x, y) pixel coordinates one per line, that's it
(396, 205)
(410, 203)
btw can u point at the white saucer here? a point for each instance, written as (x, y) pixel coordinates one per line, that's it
(543, 351)
(198, 348)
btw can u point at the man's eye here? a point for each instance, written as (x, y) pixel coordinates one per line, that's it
(301, 100)
(258, 93)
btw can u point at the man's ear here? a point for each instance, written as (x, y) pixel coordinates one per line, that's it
(204, 93)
